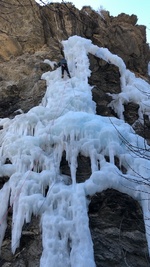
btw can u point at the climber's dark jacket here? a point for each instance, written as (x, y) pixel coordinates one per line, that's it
(64, 67)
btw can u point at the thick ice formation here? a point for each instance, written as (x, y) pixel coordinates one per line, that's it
(66, 121)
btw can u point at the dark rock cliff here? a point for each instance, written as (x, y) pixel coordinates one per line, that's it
(28, 35)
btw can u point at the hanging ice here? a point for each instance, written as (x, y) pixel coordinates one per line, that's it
(66, 121)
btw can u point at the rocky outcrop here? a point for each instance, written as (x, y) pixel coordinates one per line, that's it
(21, 22)
(119, 31)
(117, 230)
(30, 248)
(21, 86)
(42, 29)
(29, 34)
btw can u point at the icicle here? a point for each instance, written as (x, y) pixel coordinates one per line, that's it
(4, 200)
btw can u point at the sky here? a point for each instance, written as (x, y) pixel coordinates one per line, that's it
(141, 8)
(66, 120)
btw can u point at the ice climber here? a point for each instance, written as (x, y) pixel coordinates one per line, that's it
(64, 67)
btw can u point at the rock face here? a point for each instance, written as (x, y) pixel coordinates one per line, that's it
(24, 48)
(29, 34)
(21, 86)
(117, 229)
(30, 249)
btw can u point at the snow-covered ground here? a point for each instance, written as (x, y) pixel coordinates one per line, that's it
(66, 120)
